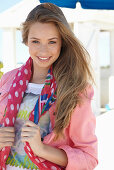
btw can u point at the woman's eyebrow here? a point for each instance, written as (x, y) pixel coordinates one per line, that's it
(34, 38)
(53, 38)
(39, 39)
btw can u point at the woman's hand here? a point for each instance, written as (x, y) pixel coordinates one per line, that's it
(31, 134)
(7, 135)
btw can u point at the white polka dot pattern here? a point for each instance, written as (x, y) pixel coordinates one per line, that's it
(12, 107)
(22, 93)
(26, 82)
(14, 85)
(13, 120)
(21, 82)
(16, 94)
(26, 71)
(19, 74)
(3, 149)
(17, 106)
(44, 165)
(7, 121)
(53, 168)
(9, 96)
(5, 156)
(37, 160)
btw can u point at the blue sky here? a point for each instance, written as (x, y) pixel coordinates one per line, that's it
(7, 4)
(104, 43)
(4, 6)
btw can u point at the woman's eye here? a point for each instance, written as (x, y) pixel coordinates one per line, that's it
(52, 42)
(35, 41)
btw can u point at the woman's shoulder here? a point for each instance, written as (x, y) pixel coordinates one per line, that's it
(8, 76)
(83, 110)
(88, 92)
(12, 72)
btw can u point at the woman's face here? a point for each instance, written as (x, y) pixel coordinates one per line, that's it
(44, 43)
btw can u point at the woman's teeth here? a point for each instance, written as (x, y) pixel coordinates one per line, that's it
(43, 58)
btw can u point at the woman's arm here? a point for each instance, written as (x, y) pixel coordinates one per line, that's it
(52, 154)
(82, 153)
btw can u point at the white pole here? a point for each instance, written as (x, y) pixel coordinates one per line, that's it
(111, 78)
(9, 49)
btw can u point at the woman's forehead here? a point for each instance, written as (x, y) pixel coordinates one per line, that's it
(44, 29)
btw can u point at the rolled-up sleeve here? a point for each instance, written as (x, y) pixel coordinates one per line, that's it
(82, 150)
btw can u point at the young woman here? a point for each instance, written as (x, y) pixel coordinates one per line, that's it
(45, 106)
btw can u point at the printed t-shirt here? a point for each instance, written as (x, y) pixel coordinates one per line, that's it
(18, 159)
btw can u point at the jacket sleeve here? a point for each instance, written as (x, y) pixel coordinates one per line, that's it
(1, 81)
(2, 94)
(5, 83)
(82, 152)
(4, 79)
(7, 77)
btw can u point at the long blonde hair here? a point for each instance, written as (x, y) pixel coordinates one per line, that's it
(72, 68)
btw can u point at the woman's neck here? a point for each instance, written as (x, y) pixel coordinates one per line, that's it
(39, 75)
(38, 79)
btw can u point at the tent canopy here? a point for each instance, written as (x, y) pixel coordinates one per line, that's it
(86, 4)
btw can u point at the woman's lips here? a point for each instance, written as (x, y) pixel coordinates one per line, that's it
(43, 58)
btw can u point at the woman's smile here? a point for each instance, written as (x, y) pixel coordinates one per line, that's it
(43, 59)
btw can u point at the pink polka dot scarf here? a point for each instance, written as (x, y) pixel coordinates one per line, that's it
(44, 102)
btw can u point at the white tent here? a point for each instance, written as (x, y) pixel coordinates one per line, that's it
(86, 25)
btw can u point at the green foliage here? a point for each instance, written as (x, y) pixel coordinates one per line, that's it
(1, 66)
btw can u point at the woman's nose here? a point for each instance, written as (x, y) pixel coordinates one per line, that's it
(43, 49)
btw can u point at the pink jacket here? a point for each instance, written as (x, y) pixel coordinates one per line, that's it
(79, 142)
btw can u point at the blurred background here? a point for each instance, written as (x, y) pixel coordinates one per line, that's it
(95, 30)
